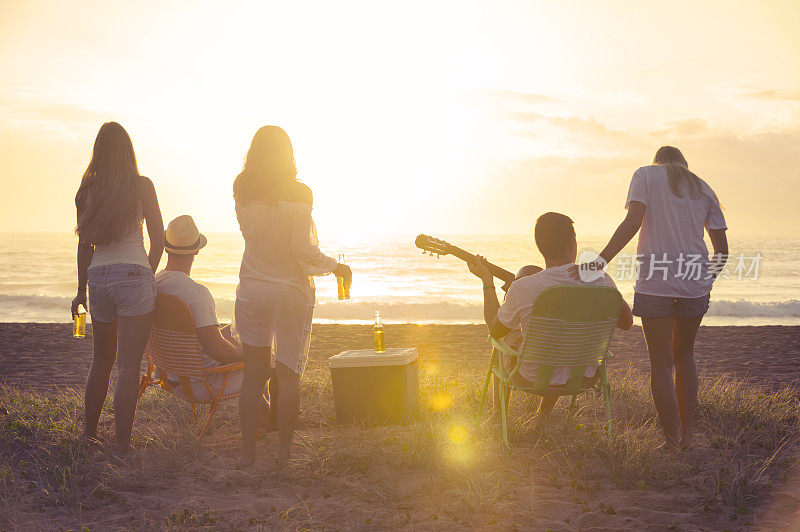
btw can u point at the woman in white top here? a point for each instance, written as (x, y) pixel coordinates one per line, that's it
(670, 207)
(112, 202)
(275, 296)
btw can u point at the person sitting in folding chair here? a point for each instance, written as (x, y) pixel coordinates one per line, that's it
(183, 243)
(555, 237)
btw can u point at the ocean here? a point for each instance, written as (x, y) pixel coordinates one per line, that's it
(38, 279)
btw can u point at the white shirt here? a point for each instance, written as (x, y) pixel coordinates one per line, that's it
(196, 296)
(516, 310)
(673, 258)
(280, 244)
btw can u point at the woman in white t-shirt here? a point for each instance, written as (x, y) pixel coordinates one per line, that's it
(670, 207)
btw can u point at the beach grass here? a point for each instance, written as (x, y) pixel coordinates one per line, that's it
(441, 471)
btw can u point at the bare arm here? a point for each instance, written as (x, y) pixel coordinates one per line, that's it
(625, 320)
(490, 302)
(85, 252)
(304, 241)
(217, 347)
(625, 232)
(84, 257)
(497, 329)
(155, 224)
(719, 241)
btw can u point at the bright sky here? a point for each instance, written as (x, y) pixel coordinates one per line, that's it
(407, 117)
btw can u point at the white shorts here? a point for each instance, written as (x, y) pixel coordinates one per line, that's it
(528, 369)
(275, 315)
(215, 380)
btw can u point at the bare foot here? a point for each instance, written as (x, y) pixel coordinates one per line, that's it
(247, 459)
(283, 457)
(92, 442)
(669, 446)
(122, 452)
(266, 420)
(685, 441)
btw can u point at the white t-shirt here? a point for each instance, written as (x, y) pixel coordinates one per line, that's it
(196, 296)
(672, 255)
(516, 310)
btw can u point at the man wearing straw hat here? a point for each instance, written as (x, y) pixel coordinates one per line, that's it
(183, 242)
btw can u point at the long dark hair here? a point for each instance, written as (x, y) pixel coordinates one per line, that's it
(109, 199)
(269, 167)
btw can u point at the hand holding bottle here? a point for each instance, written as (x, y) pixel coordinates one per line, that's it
(80, 299)
(78, 315)
(344, 278)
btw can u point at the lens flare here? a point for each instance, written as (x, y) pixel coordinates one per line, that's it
(458, 434)
(431, 367)
(440, 402)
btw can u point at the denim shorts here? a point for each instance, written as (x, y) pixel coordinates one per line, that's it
(121, 290)
(647, 306)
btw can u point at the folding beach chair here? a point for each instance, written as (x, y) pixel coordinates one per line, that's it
(570, 326)
(173, 348)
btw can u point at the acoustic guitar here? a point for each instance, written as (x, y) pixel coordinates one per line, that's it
(438, 247)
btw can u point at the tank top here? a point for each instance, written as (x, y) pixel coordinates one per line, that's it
(127, 250)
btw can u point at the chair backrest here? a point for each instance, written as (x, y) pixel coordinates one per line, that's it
(571, 326)
(173, 346)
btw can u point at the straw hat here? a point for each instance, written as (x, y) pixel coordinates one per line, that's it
(182, 236)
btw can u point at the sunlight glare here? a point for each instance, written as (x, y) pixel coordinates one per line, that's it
(441, 402)
(458, 434)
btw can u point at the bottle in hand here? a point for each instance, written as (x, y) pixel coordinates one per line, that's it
(79, 327)
(344, 289)
(377, 332)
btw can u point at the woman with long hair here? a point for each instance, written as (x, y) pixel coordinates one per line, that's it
(672, 206)
(113, 201)
(275, 297)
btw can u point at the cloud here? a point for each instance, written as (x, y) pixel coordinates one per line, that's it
(572, 124)
(686, 126)
(518, 98)
(28, 109)
(757, 178)
(792, 95)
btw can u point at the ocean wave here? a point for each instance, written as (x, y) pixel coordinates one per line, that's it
(45, 302)
(741, 308)
(405, 311)
(56, 308)
(399, 311)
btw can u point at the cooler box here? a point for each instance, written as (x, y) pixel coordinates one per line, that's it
(375, 387)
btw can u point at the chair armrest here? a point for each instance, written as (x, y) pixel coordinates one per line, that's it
(225, 368)
(503, 347)
(500, 345)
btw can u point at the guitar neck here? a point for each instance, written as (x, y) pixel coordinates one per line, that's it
(504, 275)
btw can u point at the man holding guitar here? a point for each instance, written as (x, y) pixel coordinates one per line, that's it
(555, 238)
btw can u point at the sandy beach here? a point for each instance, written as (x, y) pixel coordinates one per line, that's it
(739, 475)
(42, 356)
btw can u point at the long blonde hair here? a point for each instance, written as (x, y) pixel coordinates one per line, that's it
(109, 199)
(269, 167)
(678, 172)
